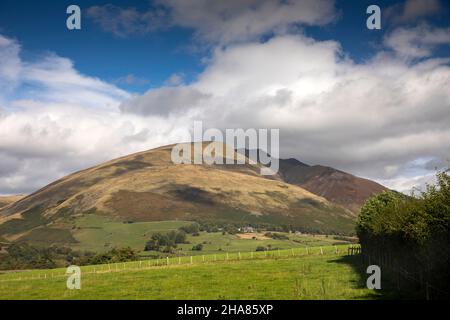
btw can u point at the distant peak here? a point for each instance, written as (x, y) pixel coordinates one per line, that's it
(295, 162)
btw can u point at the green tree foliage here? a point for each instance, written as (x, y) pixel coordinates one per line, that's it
(197, 247)
(190, 229)
(165, 242)
(24, 256)
(413, 233)
(113, 256)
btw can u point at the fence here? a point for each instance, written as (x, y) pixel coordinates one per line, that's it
(177, 261)
(398, 274)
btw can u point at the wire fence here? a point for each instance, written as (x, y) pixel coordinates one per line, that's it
(176, 261)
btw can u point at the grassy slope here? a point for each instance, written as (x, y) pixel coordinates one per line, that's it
(213, 242)
(97, 233)
(6, 200)
(281, 276)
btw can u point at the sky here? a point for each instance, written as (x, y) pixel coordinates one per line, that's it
(374, 103)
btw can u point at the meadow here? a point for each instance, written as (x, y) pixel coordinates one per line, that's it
(96, 233)
(296, 273)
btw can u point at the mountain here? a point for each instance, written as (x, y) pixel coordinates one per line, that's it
(7, 200)
(147, 186)
(334, 185)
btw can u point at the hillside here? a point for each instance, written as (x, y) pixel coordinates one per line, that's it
(147, 186)
(7, 200)
(334, 185)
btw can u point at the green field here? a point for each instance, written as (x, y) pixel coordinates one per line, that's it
(297, 273)
(96, 233)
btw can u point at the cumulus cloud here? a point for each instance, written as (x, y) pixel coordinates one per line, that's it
(131, 79)
(175, 79)
(10, 64)
(417, 42)
(216, 21)
(164, 101)
(411, 184)
(373, 119)
(412, 10)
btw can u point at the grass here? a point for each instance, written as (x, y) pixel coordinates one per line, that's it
(97, 233)
(284, 274)
(216, 242)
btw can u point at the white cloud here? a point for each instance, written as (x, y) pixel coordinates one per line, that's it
(10, 64)
(417, 42)
(411, 185)
(166, 101)
(175, 79)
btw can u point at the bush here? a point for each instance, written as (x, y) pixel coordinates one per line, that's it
(413, 233)
(198, 247)
(115, 255)
(191, 229)
(276, 236)
(165, 242)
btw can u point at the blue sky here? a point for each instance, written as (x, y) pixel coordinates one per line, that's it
(372, 102)
(154, 56)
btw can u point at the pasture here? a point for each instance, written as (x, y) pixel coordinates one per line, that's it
(296, 273)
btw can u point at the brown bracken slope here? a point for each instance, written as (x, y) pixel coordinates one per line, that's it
(7, 200)
(334, 185)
